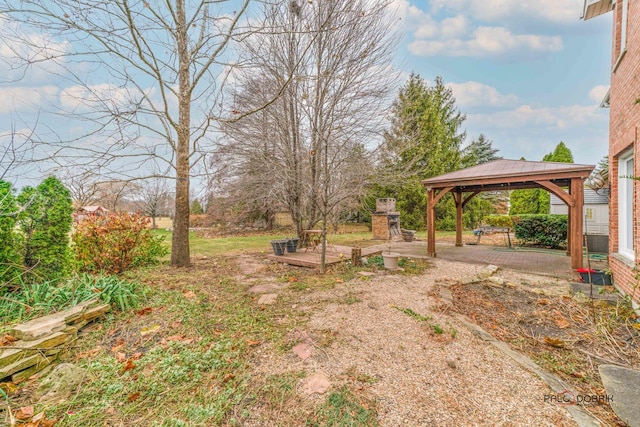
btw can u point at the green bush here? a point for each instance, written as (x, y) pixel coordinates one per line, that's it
(116, 243)
(10, 262)
(45, 220)
(544, 230)
(498, 221)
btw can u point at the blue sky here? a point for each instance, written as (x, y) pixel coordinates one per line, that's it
(527, 74)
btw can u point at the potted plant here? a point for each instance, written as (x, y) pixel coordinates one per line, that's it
(292, 244)
(279, 246)
(390, 259)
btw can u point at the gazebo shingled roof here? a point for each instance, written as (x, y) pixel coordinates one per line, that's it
(512, 175)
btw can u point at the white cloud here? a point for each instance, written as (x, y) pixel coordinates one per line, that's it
(100, 97)
(475, 94)
(561, 117)
(25, 99)
(555, 11)
(486, 41)
(597, 93)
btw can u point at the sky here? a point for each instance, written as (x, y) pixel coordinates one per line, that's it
(526, 74)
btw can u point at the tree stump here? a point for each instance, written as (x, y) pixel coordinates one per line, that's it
(356, 257)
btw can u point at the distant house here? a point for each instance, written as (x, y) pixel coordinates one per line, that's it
(624, 123)
(85, 211)
(596, 217)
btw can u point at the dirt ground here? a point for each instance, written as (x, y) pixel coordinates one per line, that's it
(423, 367)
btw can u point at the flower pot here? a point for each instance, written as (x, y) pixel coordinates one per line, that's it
(598, 277)
(390, 260)
(292, 244)
(279, 246)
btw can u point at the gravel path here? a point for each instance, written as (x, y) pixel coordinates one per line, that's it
(419, 377)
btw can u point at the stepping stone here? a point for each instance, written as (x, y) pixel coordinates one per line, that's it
(622, 385)
(303, 351)
(268, 299)
(487, 272)
(264, 289)
(316, 383)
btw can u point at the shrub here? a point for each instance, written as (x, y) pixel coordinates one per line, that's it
(45, 220)
(545, 230)
(116, 243)
(498, 221)
(10, 263)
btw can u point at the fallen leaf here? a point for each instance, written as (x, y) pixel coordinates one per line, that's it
(9, 388)
(228, 377)
(176, 324)
(149, 329)
(174, 338)
(554, 342)
(293, 279)
(133, 397)
(339, 281)
(252, 343)
(129, 365)
(88, 353)
(121, 357)
(189, 294)
(542, 301)
(24, 413)
(137, 356)
(7, 339)
(143, 311)
(117, 348)
(562, 323)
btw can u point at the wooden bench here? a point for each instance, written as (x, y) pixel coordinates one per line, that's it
(487, 229)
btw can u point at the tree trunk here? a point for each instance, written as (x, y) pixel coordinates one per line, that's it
(180, 242)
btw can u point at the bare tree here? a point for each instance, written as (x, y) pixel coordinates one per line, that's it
(147, 77)
(308, 149)
(152, 197)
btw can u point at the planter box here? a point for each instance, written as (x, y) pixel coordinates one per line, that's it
(279, 246)
(598, 277)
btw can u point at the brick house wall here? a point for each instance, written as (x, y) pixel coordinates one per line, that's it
(623, 138)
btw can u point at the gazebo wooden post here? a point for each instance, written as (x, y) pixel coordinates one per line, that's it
(431, 222)
(575, 213)
(569, 239)
(458, 199)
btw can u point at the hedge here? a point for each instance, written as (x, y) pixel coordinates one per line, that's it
(498, 221)
(544, 230)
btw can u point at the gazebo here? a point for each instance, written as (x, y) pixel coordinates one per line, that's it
(512, 175)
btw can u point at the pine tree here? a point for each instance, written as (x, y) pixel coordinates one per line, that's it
(478, 152)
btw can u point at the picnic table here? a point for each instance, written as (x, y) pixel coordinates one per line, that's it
(488, 229)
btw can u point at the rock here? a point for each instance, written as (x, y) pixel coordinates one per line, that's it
(303, 351)
(22, 364)
(622, 385)
(18, 377)
(60, 383)
(446, 295)
(268, 299)
(43, 326)
(29, 348)
(316, 383)
(487, 271)
(373, 306)
(452, 364)
(498, 281)
(264, 288)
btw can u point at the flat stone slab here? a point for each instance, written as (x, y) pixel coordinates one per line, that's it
(264, 289)
(303, 351)
(367, 273)
(268, 299)
(622, 385)
(585, 288)
(43, 326)
(487, 271)
(316, 383)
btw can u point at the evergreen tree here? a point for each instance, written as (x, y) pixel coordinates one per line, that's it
(478, 152)
(10, 263)
(45, 221)
(196, 208)
(424, 141)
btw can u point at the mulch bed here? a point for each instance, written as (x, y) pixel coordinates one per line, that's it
(567, 335)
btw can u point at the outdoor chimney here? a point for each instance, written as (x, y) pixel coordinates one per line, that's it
(385, 221)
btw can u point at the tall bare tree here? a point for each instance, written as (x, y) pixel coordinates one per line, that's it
(308, 149)
(146, 74)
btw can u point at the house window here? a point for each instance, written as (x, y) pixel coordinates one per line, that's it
(588, 214)
(621, 31)
(625, 206)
